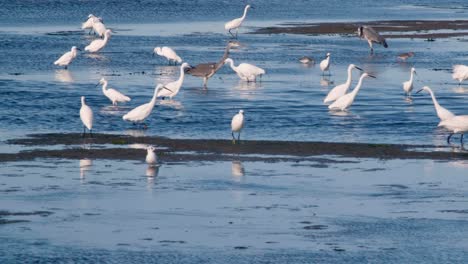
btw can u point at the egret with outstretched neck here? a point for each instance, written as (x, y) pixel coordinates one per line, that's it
(442, 113)
(113, 95)
(236, 23)
(347, 100)
(341, 89)
(172, 88)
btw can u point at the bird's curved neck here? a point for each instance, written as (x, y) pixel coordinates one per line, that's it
(231, 63)
(83, 101)
(153, 100)
(434, 100)
(104, 86)
(412, 76)
(348, 81)
(358, 86)
(245, 13)
(182, 75)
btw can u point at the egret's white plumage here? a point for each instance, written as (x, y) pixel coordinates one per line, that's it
(172, 88)
(347, 100)
(325, 64)
(113, 95)
(408, 85)
(456, 125)
(151, 157)
(67, 57)
(86, 115)
(99, 27)
(98, 44)
(341, 89)
(236, 23)
(237, 123)
(442, 113)
(245, 71)
(168, 53)
(460, 73)
(140, 113)
(88, 24)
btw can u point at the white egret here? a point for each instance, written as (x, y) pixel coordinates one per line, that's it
(67, 57)
(347, 100)
(306, 60)
(98, 44)
(99, 27)
(245, 71)
(341, 89)
(456, 125)
(86, 116)
(442, 113)
(113, 95)
(167, 53)
(237, 124)
(460, 73)
(140, 113)
(236, 23)
(172, 88)
(372, 36)
(151, 157)
(325, 64)
(88, 24)
(408, 85)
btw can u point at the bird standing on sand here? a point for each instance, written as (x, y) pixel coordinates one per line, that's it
(408, 85)
(405, 56)
(460, 73)
(372, 36)
(442, 113)
(113, 95)
(168, 53)
(172, 88)
(237, 124)
(86, 116)
(236, 23)
(67, 57)
(341, 89)
(347, 100)
(325, 65)
(98, 44)
(247, 72)
(151, 157)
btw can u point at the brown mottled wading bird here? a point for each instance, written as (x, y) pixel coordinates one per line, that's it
(405, 56)
(372, 36)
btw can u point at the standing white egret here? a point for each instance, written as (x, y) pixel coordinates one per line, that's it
(168, 53)
(442, 113)
(236, 23)
(113, 95)
(347, 100)
(98, 44)
(325, 64)
(140, 113)
(172, 88)
(372, 36)
(408, 85)
(99, 27)
(86, 116)
(245, 71)
(341, 89)
(88, 24)
(151, 157)
(237, 124)
(67, 57)
(456, 125)
(460, 73)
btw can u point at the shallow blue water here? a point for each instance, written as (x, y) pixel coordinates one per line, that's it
(287, 104)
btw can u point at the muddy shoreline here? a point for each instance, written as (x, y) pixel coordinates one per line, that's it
(398, 28)
(117, 148)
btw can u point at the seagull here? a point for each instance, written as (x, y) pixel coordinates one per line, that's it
(67, 57)
(325, 65)
(372, 36)
(172, 88)
(442, 113)
(151, 157)
(347, 100)
(236, 23)
(237, 124)
(86, 116)
(167, 53)
(98, 44)
(460, 73)
(408, 85)
(341, 89)
(245, 71)
(113, 95)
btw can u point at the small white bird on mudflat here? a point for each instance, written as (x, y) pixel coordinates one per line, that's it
(347, 100)
(168, 53)
(408, 85)
(460, 73)
(86, 116)
(236, 23)
(98, 44)
(341, 89)
(151, 157)
(442, 113)
(325, 64)
(67, 57)
(237, 124)
(457, 125)
(245, 71)
(172, 88)
(113, 95)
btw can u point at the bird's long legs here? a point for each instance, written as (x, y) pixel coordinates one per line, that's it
(461, 139)
(84, 131)
(238, 137)
(231, 33)
(448, 138)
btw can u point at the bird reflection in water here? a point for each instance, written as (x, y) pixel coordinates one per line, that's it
(237, 170)
(324, 81)
(85, 166)
(64, 76)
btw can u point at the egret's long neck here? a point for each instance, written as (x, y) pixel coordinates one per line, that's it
(106, 37)
(234, 68)
(412, 76)
(182, 75)
(153, 100)
(245, 13)
(434, 100)
(83, 101)
(104, 86)
(358, 86)
(348, 81)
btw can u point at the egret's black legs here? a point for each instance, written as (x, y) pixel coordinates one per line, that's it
(448, 138)
(461, 139)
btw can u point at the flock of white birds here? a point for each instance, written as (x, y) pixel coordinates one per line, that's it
(338, 98)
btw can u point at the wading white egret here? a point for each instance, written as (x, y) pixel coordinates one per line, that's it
(98, 44)
(236, 23)
(408, 85)
(151, 157)
(442, 113)
(347, 100)
(325, 65)
(237, 124)
(113, 95)
(168, 53)
(99, 27)
(372, 36)
(460, 73)
(341, 89)
(456, 125)
(88, 24)
(172, 88)
(67, 57)
(140, 113)
(86, 116)
(245, 71)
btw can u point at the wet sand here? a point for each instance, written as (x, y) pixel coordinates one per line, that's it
(398, 28)
(117, 147)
